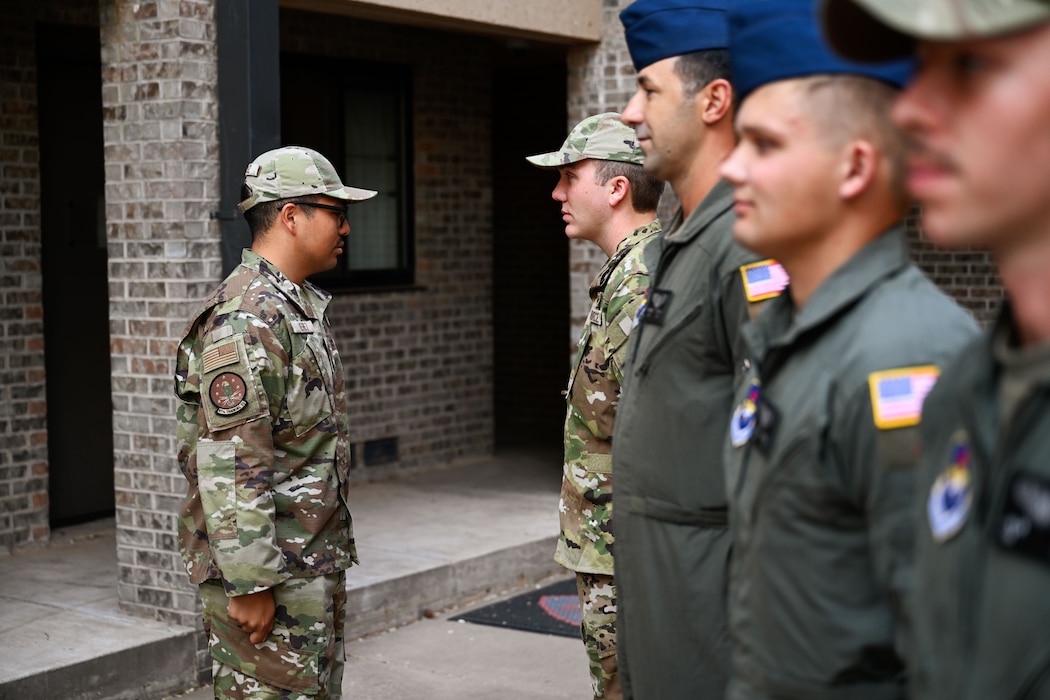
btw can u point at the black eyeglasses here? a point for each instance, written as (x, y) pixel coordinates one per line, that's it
(329, 207)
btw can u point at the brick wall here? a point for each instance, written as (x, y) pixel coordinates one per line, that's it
(969, 276)
(23, 406)
(419, 363)
(161, 164)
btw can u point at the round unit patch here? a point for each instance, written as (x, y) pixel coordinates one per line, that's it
(952, 493)
(742, 424)
(228, 394)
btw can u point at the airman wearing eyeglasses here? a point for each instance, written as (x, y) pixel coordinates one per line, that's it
(263, 440)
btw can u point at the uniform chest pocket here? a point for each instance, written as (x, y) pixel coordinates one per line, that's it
(308, 394)
(796, 444)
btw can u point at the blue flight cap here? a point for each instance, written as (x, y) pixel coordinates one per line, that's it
(772, 40)
(659, 29)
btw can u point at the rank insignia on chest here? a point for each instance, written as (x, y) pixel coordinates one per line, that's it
(763, 280)
(952, 493)
(745, 417)
(656, 305)
(897, 395)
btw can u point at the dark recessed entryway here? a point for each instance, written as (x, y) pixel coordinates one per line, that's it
(76, 297)
(531, 354)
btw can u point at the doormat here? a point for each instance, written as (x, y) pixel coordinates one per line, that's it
(554, 609)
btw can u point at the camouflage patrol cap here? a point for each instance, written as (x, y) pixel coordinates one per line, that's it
(875, 30)
(599, 137)
(295, 171)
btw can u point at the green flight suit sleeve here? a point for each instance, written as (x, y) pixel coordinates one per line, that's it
(877, 471)
(732, 314)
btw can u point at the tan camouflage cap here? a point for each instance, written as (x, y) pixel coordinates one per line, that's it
(600, 137)
(295, 171)
(876, 30)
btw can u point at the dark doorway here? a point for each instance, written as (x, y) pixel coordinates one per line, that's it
(76, 298)
(531, 354)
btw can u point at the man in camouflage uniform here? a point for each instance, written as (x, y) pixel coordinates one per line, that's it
(609, 200)
(263, 441)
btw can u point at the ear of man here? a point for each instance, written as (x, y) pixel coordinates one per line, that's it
(860, 164)
(715, 101)
(619, 190)
(853, 113)
(290, 217)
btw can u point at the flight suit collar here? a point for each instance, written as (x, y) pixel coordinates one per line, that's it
(780, 326)
(716, 203)
(1005, 350)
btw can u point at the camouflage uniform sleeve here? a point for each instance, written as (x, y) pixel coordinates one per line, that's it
(241, 368)
(629, 286)
(187, 390)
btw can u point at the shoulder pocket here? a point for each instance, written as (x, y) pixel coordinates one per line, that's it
(231, 393)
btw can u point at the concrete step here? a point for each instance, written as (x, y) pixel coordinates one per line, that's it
(431, 541)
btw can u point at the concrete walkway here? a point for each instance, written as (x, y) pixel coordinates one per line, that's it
(432, 541)
(442, 659)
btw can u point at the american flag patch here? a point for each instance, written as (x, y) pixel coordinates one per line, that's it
(219, 356)
(763, 280)
(897, 395)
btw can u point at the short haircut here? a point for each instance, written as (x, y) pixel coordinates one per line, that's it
(263, 215)
(645, 189)
(854, 107)
(699, 68)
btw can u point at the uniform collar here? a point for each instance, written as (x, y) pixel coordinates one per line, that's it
(632, 239)
(310, 299)
(637, 236)
(1032, 360)
(718, 201)
(780, 325)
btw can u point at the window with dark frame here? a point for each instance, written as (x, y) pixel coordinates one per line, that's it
(359, 115)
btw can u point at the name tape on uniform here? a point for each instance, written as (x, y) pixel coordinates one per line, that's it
(304, 326)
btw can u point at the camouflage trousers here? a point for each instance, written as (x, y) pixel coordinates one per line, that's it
(303, 656)
(598, 630)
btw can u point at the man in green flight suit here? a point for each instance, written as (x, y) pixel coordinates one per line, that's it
(823, 442)
(977, 112)
(608, 199)
(672, 543)
(263, 441)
